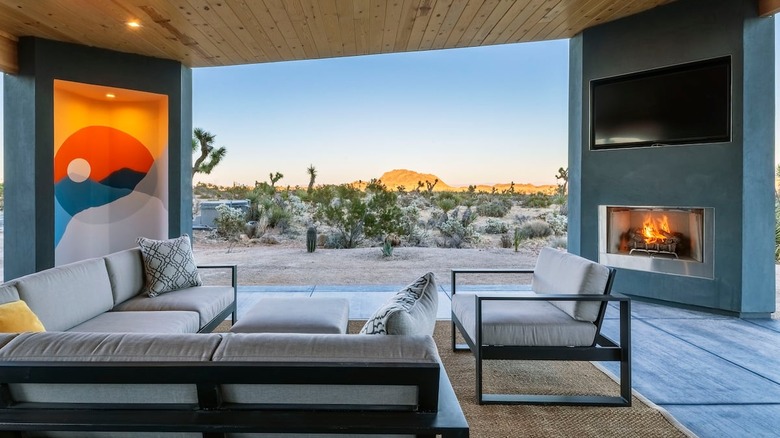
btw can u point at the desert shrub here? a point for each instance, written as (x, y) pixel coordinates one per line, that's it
(534, 229)
(356, 215)
(278, 217)
(559, 242)
(346, 213)
(383, 216)
(506, 241)
(458, 229)
(495, 226)
(230, 223)
(538, 200)
(334, 241)
(493, 208)
(558, 222)
(446, 200)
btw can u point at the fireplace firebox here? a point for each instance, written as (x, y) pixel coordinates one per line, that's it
(668, 240)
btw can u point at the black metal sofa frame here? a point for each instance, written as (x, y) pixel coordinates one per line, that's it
(602, 349)
(229, 310)
(438, 411)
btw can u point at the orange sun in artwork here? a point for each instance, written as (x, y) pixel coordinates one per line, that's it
(97, 152)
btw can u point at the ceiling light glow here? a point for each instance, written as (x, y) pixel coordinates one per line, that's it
(133, 24)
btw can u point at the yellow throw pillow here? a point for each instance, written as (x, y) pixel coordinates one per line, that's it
(16, 317)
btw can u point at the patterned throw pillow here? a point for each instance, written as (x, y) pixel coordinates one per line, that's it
(412, 311)
(168, 265)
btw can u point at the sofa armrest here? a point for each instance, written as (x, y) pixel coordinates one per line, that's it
(233, 272)
(462, 271)
(233, 282)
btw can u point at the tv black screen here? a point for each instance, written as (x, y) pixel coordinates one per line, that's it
(684, 104)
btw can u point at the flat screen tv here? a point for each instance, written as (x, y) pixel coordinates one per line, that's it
(683, 104)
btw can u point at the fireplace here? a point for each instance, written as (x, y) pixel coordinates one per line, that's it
(669, 240)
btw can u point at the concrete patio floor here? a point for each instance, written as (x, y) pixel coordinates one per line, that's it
(719, 376)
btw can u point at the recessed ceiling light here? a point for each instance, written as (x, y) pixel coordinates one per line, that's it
(134, 24)
(110, 95)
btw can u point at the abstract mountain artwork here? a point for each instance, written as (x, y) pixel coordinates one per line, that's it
(95, 166)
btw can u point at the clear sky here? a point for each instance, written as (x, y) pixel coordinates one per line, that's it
(471, 116)
(480, 115)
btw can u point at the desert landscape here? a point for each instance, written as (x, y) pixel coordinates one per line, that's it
(370, 234)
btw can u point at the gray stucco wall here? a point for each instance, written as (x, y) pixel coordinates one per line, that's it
(735, 178)
(29, 137)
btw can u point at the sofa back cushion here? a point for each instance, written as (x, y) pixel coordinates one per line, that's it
(559, 272)
(8, 293)
(126, 273)
(67, 295)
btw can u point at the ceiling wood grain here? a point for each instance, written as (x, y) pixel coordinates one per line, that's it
(202, 33)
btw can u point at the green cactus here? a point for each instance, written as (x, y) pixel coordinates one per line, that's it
(387, 248)
(311, 239)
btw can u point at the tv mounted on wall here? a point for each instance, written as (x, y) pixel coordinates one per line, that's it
(683, 104)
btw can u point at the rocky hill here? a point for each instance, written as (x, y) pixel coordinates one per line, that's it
(409, 179)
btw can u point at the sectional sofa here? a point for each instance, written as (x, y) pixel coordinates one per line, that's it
(115, 363)
(104, 295)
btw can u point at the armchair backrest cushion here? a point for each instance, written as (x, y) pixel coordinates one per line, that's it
(559, 272)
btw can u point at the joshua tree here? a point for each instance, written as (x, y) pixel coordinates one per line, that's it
(430, 186)
(563, 174)
(275, 178)
(312, 175)
(203, 141)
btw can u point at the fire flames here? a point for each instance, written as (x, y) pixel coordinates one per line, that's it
(656, 230)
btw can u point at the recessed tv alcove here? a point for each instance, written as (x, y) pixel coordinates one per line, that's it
(683, 104)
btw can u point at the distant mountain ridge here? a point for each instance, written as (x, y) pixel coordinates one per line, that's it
(409, 180)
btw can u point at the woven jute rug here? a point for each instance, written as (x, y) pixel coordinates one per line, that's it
(642, 419)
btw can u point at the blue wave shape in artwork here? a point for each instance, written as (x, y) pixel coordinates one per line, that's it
(61, 221)
(76, 197)
(123, 179)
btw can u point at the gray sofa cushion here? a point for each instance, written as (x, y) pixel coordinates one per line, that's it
(559, 272)
(126, 272)
(522, 323)
(8, 293)
(328, 348)
(412, 311)
(141, 322)
(295, 315)
(108, 347)
(66, 296)
(296, 347)
(207, 301)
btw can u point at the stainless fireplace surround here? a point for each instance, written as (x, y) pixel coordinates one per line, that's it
(663, 265)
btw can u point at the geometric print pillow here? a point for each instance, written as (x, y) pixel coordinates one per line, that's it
(168, 265)
(411, 311)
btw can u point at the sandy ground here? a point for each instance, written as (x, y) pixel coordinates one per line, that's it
(292, 265)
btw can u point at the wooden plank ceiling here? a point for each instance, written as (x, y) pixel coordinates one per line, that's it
(202, 33)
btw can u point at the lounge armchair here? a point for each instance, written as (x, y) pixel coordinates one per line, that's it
(559, 319)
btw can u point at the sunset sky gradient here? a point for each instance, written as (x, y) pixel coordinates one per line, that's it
(480, 115)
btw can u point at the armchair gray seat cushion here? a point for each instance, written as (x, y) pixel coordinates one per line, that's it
(531, 323)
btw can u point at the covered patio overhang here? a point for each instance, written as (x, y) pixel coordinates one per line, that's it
(151, 46)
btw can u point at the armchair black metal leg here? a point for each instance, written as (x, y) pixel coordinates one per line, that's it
(478, 376)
